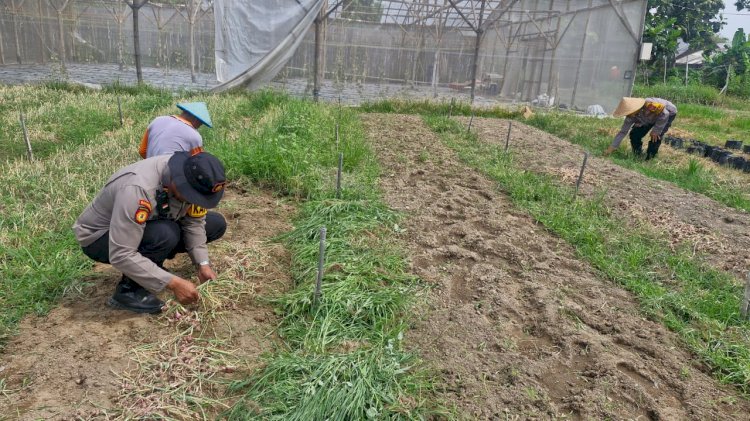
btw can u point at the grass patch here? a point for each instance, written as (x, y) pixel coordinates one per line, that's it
(697, 302)
(60, 115)
(41, 199)
(354, 333)
(595, 134)
(427, 107)
(342, 359)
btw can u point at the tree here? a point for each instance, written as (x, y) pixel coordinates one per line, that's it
(192, 15)
(363, 10)
(663, 34)
(694, 19)
(742, 4)
(60, 7)
(119, 13)
(735, 61)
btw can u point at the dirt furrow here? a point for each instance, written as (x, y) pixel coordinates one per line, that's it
(719, 233)
(77, 361)
(516, 326)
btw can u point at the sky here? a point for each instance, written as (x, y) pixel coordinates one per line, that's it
(734, 20)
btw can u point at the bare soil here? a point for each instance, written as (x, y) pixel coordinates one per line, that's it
(516, 326)
(69, 364)
(720, 234)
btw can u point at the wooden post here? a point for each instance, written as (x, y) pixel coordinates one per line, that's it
(119, 109)
(468, 129)
(580, 175)
(29, 152)
(321, 260)
(745, 306)
(507, 138)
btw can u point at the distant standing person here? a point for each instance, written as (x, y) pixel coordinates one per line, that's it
(642, 115)
(176, 133)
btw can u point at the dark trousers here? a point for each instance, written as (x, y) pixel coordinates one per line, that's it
(162, 239)
(637, 134)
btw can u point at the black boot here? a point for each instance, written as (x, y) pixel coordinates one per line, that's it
(129, 295)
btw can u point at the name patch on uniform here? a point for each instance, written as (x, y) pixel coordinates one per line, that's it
(143, 212)
(196, 211)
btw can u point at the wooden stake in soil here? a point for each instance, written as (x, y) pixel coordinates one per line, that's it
(580, 175)
(29, 152)
(745, 306)
(321, 259)
(119, 109)
(338, 175)
(507, 138)
(471, 120)
(450, 109)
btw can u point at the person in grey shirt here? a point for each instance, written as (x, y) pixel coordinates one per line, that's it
(148, 212)
(642, 115)
(176, 133)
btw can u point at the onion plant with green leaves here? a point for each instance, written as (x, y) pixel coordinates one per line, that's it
(342, 358)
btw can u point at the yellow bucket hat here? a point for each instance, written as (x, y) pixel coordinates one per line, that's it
(628, 106)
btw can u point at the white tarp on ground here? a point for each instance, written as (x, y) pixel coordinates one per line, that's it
(255, 38)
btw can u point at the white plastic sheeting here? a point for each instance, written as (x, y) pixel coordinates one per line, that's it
(255, 38)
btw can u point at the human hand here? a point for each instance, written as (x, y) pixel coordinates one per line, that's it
(184, 291)
(654, 137)
(205, 273)
(609, 151)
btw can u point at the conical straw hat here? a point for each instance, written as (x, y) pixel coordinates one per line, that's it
(198, 110)
(628, 106)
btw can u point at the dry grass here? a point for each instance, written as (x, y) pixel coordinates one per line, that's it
(184, 376)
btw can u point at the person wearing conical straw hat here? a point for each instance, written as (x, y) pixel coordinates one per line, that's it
(176, 133)
(641, 116)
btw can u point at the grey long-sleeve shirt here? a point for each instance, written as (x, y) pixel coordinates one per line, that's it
(123, 207)
(656, 111)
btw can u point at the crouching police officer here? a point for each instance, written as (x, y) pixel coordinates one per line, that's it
(148, 212)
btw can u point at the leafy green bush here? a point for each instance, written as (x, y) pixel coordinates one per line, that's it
(696, 94)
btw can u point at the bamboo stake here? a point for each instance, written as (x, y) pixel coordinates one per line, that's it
(119, 109)
(746, 299)
(507, 138)
(29, 152)
(338, 175)
(580, 175)
(321, 259)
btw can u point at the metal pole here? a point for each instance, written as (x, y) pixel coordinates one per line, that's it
(316, 60)
(450, 109)
(580, 175)
(507, 138)
(321, 259)
(337, 135)
(29, 153)
(119, 109)
(338, 175)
